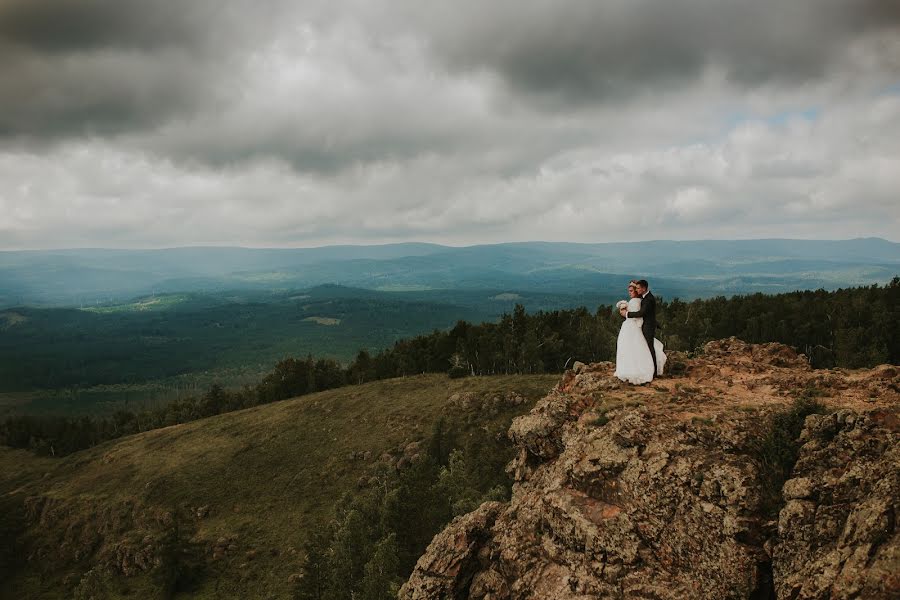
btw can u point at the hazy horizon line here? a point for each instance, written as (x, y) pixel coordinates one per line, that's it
(441, 245)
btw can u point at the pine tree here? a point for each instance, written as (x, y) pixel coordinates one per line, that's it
(382, 579)
(314, 574)
(348, 553)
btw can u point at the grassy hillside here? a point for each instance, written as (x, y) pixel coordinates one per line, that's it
(241, 492)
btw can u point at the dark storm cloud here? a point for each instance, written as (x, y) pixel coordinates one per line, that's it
(96, 94)
(67, 25)
(99, 67)
(585, 50)
(76, 68)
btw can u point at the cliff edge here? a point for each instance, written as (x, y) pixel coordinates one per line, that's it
(744, 474)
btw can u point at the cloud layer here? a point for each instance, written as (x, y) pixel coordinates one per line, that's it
(126, 123)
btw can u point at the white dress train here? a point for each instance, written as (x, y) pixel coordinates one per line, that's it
(634, 363)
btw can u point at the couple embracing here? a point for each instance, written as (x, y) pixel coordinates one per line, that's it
(639, 355)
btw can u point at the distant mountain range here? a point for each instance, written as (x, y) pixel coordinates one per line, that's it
(685, 269)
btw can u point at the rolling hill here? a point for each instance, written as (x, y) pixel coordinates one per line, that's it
(678, 268)
(243, 491)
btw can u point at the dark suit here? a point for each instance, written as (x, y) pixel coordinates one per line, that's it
(648, 313)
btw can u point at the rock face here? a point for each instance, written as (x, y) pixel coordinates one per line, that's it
(837, 534)
(655, 492)
(448, 573)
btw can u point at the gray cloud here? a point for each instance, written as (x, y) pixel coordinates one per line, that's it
(61, 26)
(105, 66)
(99, 67)
(581, 51)
(96, 94)
(177, 122)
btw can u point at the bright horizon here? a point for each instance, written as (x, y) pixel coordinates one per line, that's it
(426, 243)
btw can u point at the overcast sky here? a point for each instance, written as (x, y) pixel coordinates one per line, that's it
(128, 123)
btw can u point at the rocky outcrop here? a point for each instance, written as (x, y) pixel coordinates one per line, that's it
(837, 534)
(657, 492)
(447, 571)
(124, 537)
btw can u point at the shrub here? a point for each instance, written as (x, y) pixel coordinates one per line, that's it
(677, 367)
(775, 452)
(457, 372)
(601, 419)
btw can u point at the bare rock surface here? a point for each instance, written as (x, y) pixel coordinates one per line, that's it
(837, 534)
(653, 492)
(447, 571)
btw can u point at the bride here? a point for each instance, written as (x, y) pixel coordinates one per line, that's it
(633, 361)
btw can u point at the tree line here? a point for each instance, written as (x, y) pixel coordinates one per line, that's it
(59, 435)
(854, 327)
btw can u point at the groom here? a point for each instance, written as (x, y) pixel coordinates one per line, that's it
(648, 312)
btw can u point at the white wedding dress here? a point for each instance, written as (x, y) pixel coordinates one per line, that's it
(633, 361)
